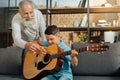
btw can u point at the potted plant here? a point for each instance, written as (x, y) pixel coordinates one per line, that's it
(83, 37)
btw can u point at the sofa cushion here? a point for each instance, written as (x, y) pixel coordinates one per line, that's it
(10, 60)
(98, 63)
(96, 78)
(11, 77)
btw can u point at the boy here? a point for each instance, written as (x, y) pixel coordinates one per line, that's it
(53, 37)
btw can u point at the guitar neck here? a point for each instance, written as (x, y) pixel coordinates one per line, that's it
(68, 52)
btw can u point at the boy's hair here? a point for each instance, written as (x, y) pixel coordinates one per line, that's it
(52, 29)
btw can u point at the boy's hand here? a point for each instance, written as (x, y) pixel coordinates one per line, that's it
(74, 53)
(74, 57)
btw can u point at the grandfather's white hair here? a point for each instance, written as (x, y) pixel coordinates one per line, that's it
(26, 2)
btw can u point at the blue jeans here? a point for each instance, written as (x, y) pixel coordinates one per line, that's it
(51, 77)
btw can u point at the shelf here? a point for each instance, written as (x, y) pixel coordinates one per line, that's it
(67, 10)
(85, 28)
(91, 29)
(76, 10)
(15, 9)
(72, 29)
(105, 10)
(84, 10)
(105, 29)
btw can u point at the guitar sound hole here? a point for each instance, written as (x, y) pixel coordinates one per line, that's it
(47, 58)
(41, 65)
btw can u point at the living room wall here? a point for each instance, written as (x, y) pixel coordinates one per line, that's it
(65, 20)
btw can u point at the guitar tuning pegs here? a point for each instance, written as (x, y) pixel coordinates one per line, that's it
(102, 52)
(98, 52)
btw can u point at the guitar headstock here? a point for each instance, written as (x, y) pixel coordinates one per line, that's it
(98, 47)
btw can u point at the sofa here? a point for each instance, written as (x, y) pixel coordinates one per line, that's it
(92, 65)
(104, 65)
(11, 64)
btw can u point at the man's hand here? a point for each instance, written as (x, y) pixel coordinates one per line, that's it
(34, 47)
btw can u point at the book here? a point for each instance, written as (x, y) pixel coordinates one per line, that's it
(84, 21)
(83, 3)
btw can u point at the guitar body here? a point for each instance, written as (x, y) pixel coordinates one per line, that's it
(37, 65)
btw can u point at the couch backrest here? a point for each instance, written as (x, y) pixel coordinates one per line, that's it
(98, 63)
(11, 60)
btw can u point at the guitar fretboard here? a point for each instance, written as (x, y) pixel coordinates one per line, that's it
(68, 52)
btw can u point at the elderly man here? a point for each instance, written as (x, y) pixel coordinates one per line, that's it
(28, 26)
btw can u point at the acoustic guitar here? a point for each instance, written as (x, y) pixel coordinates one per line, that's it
(37, 65)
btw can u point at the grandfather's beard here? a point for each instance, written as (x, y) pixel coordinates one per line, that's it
(29, 23)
